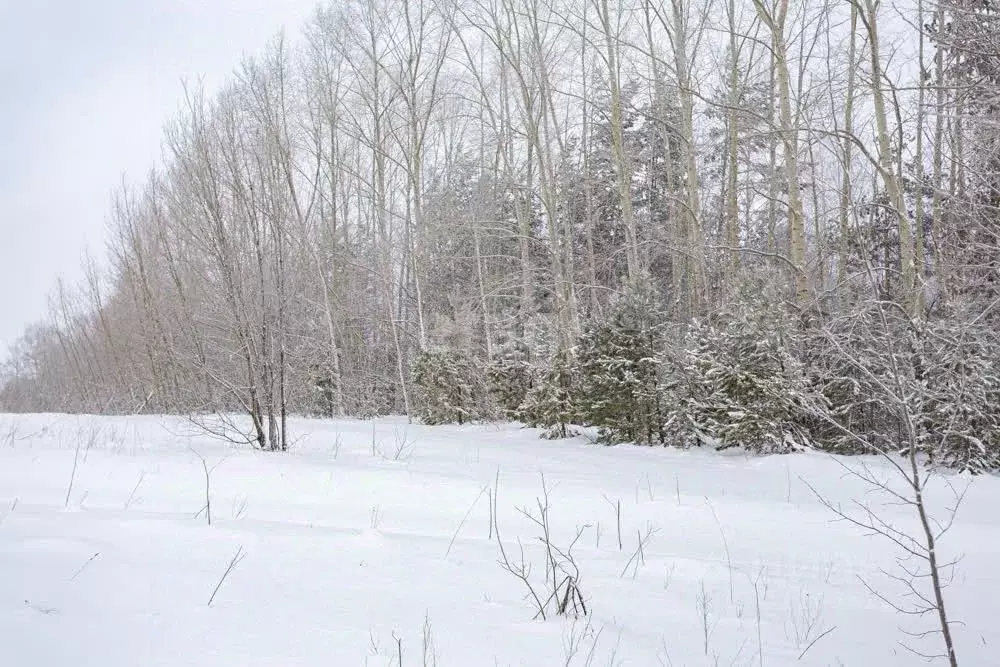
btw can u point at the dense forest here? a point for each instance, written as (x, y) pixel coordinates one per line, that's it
(770, 224)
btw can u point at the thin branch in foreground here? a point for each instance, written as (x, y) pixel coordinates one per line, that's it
(136, 488)
(725, 544)
(813, 642)
(464, 519)
(237, 557)
(72, 476)
(84, 566)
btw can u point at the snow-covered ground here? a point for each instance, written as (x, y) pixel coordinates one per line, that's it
(350, 552)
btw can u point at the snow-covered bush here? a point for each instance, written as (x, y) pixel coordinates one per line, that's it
(881, 369)
(959, 375)
(450, 388)
(620, 366)
(509, 376)
(551, 401)
(737, 384)
(849, 365)
(374, 396)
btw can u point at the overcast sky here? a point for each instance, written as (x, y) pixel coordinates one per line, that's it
(85, 88)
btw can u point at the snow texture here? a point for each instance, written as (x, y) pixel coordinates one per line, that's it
(364, 534)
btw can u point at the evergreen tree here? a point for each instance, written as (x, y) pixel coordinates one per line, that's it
(620, 363)
(510, 377)
(551, 401)
(450, 388)
(948, 374)
(738, 384)
(957, 380)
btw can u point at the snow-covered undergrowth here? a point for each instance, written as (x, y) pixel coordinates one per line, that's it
(365, 540)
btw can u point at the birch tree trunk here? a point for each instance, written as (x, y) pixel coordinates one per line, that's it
(887, 169)
(774, 18)
(623, 170)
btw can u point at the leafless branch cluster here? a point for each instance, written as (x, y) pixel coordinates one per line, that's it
(559, 593)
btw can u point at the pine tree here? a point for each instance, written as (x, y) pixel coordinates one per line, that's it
(551, 402)
(450, 388)
(957, 380)
(948, 375)
(620, 366)
(737, 384)
(510, 377)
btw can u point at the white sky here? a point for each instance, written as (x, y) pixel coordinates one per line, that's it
(85, 88)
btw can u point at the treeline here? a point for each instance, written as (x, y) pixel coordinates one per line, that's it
(754, 223)
(752, 376)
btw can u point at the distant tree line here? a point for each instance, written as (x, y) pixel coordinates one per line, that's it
(756, 223)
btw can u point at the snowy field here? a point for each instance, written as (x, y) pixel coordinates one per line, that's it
(365, 540)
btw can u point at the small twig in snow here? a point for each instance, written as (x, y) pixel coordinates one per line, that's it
(136, 488)
(813, 642)
(617, 505)
(72, 477)
(399, 648)
(9, 512)
(725, 543)
(84, 566)
(237, 557)
(464, 519)
(638, 556)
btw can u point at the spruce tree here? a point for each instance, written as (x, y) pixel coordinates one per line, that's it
(738, 384)
(620, 361)
(510, 377)
(551, 402)
(450, 388)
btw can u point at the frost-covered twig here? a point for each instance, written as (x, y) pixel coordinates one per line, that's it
(429, 653)
(403, 445)
(72, 476)
(813, 642)
(704, 603)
